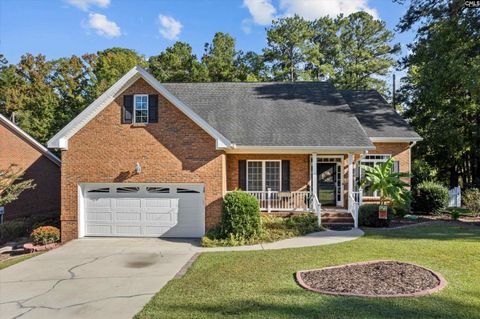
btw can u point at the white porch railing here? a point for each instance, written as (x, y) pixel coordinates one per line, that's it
(316, 207)
(283, 201)
(354, 203)
(455, 197)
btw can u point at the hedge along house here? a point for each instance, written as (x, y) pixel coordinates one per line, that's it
(295, 146)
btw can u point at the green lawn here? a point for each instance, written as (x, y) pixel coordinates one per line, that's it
(16, 260)
(260, 284)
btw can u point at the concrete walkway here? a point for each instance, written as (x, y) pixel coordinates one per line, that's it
(111, 277)
(314, 239)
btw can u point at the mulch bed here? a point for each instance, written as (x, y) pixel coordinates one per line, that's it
(22, 247)
(465, 220)
(381, 278)
(13, 249)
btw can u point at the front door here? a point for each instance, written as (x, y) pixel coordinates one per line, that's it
(326, 183)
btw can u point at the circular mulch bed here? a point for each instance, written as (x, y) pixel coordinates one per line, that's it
(379, 278)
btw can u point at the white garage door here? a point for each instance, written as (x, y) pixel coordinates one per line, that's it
(144, 210)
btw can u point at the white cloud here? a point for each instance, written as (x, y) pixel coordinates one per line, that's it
(103, 26)
(86, 4)
(262, 11)
(312, 9)
(169, 27)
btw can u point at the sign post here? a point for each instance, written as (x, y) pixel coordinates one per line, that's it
(382, 212)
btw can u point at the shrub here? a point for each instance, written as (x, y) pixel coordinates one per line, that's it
(240, 215)
(400, 210)
(455, 214)
(430, 197)
(273, 228)
(45, 235)
(303, 223)
(276, 228)
(368, 216)
(44, 219)
(422, 171)
(12, 229)
(471, 200)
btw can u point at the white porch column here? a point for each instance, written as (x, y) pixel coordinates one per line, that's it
(350, 181)
(314, 180)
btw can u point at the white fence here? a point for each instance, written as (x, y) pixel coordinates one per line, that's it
(455, 197)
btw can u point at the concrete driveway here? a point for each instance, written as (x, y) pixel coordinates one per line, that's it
(91, 278)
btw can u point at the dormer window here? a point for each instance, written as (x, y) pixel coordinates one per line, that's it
(140, 109)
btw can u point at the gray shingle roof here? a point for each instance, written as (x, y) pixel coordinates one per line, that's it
(377, 117)
(275, 114)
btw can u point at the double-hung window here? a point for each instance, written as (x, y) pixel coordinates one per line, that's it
(140, 107)
(369, 160)
(262, 175)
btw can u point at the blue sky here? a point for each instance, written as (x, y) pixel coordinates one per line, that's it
(60, 28)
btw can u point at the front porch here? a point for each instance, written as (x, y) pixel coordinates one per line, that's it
(272, 202)
(319, 183)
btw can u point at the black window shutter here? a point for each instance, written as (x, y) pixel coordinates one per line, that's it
(285, 176)
(153, 108)
(396, 166)
(242, 174)
(127, 110)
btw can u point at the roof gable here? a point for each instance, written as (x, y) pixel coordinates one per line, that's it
(30, 140)
(60, 140)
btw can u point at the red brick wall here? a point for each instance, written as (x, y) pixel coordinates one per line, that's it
(174, 150)
(14, 149)
(299, 168)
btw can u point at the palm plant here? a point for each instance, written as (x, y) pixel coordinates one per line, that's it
(387, 183)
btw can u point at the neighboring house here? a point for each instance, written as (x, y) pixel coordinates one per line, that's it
(37, 163)
(143, 142)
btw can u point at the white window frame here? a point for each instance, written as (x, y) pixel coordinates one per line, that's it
(264, 174)
(134, 120)
(362, 160)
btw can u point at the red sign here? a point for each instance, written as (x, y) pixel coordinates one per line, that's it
(382, 212)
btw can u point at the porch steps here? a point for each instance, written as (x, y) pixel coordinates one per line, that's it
(336, 218)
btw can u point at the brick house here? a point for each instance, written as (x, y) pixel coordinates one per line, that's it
(38, 163)
(152, 159)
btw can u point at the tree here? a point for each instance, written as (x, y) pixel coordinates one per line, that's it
(323, 59)
(32, 97)
(11, 185)
(288, 48)
(441, 91)
(364, 54)
(251, 67)
(9, 84)
(71, 80)
(220, 58)
(389, 185)
(177, 64)
(109, 65)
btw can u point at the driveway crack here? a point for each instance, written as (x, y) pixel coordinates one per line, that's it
(30, 308)
(73, 275)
